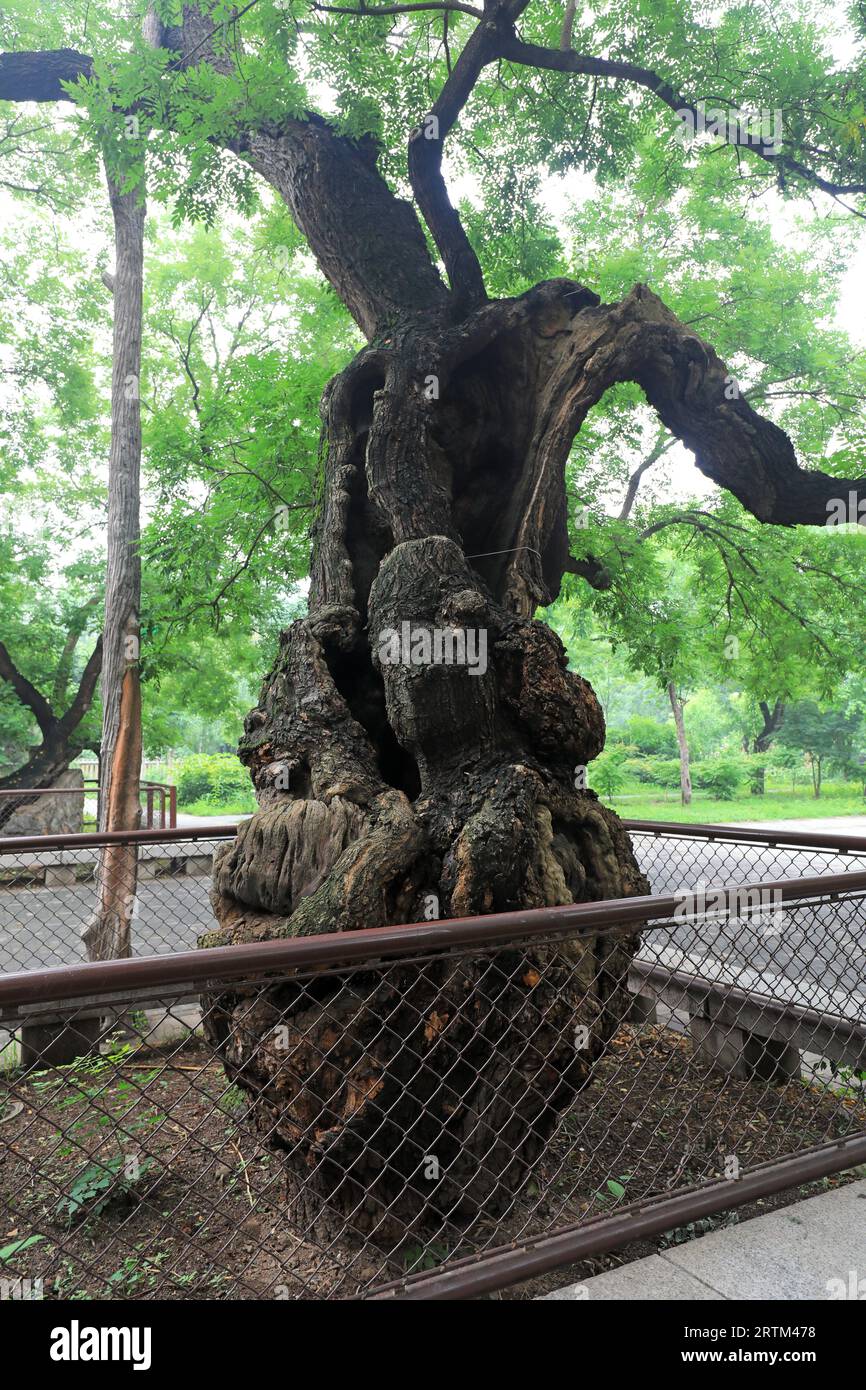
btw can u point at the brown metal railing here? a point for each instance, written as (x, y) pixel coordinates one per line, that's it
(668, 1103)
(170, 879)
(151, 791)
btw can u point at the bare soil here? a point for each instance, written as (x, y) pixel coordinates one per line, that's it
(141, 1179)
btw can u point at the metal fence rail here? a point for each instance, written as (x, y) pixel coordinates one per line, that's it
(674, 856)
(163, 816)
(48, 885)
(306, 1118)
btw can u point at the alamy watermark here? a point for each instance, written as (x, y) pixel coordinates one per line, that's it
(846, 511)
(765, 905)
(77, 1343)
(413, 645)
(852, 1288)
(762, 128)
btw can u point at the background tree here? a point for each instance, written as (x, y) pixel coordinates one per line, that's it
(50, 573)
(825, 735)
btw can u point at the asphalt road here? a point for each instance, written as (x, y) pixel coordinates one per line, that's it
(813, 954)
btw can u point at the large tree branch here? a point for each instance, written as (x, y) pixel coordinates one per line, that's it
(30, 76)
(367, 241)
(85, 692)
(426, 147)
(27, 693)
(698, 400)
(590, 347)
(592, 570)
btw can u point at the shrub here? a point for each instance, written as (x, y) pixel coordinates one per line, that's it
(607, 772)
(211, 777)
(719, 776)
(649, 771)
(663, 772)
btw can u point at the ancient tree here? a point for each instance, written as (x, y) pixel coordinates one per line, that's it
(389, 781)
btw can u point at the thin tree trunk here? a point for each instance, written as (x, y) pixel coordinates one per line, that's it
(685, 775)
(108, 934)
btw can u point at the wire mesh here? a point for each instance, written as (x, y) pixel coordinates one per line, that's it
(321, 1133)
(49, 895)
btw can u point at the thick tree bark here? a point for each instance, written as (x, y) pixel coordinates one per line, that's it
(108, 933)
(394, 787)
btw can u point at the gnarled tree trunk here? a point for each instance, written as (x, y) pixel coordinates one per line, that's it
(394, 787)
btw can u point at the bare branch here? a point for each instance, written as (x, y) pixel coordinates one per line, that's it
(86, 689)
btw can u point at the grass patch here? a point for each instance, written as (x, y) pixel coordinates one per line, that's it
(231, 806)
(773, 805)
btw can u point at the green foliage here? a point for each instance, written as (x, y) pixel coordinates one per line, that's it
(662, 772)
(824, 735)
(97, 1186)
(821, 733)
(646, 735)
(756, 771)
(80, 1089)
(721, 777)
(607, 772)
(241, 337)
(9, 1252)
(210, 777)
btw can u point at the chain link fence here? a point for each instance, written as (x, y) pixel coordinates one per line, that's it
(49, 892)
(48, 885)
(676, 857)
(417, 1111)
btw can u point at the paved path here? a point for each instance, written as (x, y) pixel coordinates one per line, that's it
(194, 822)
(815, 1249)
(832, 825)
(40, 927)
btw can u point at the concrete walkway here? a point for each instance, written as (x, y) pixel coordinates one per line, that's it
(827, 825)
(187, 822)
(815, 1249)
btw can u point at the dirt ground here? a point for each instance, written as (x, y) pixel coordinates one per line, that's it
(134, 1175)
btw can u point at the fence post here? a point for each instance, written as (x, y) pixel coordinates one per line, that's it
(60, 1042)
(742, 1054)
